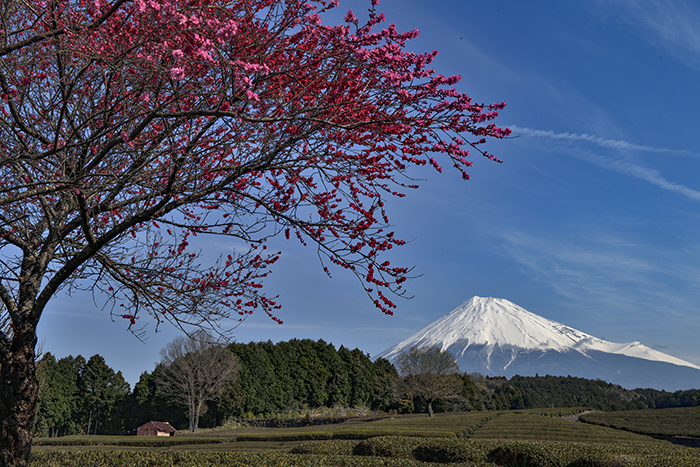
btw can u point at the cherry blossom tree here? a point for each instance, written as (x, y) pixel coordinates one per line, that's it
(130, 127)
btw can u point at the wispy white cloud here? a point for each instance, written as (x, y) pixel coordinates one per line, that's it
(654, 177)
(620, 165)
(672, 24)
(94, 314)
(609, 271)
(588, 264)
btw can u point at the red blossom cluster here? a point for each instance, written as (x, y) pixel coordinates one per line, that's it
(130, 128)
(131, 318)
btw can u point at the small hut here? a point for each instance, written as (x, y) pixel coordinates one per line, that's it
(156, 429)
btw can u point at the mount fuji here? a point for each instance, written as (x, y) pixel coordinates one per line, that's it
(496, 337)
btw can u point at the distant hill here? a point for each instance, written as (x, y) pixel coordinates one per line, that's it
(496, 337)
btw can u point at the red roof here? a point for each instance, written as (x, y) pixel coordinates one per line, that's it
(160, 426)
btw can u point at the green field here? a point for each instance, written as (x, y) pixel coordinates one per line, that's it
(683, 421)
(514, 438)
(536, 427)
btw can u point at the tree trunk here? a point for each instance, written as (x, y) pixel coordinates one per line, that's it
(430, 409)
(97, 417)
(193, 427)
(20, 390)
(87, 430)
(197, 410)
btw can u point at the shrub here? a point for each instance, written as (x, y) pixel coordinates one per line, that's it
(388, 446)
(524, 455)
(294, 436)
(207, 459)
(453, 450)
(596, 462)
(134, 441)
(373, 433)
(337, 447)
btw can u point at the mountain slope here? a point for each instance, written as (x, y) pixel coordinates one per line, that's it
(499, 338)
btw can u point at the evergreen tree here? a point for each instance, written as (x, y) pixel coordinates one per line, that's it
(58, 390)
(146, 403)
(100, 391)
(384, 381)
(302, 373)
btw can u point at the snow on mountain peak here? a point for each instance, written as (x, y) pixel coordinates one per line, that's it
(496, 322)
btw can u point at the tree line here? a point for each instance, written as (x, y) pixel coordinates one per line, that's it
(306, 374)
(279, 379)
(276, 378)
(78, 396)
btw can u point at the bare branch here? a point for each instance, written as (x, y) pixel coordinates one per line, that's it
(194, 370)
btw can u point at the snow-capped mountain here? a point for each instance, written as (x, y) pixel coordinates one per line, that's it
(496, 337)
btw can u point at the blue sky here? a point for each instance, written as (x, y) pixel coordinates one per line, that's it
(593, 219)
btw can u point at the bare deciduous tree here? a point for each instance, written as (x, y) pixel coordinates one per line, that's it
(429, 374)
(196, 370)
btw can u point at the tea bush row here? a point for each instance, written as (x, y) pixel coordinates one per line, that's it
(555, 412)
(398, 451)
(684, 421)
(357, 434)
(511, 453)
(472, 429)
(133, 441)
(456, 424)
(208, 459)
(337, 447)
(155, 442)
(524, 426)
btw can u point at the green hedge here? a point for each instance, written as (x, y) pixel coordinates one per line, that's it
(207, 459)
(135, 441)
(554, 412)
(338, 435)
(398, 451)
(158, 441)
(370, 433)
(427, 449)
(294, 436)
(336, 447)
(511, 453)
(654, 422)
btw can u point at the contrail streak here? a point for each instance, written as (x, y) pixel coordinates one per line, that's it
(622, 167)
(600, 141)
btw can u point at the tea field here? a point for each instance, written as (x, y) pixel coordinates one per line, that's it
(481, 439)
(683, 421)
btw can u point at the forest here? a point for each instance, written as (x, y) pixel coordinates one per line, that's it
(298, 377)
